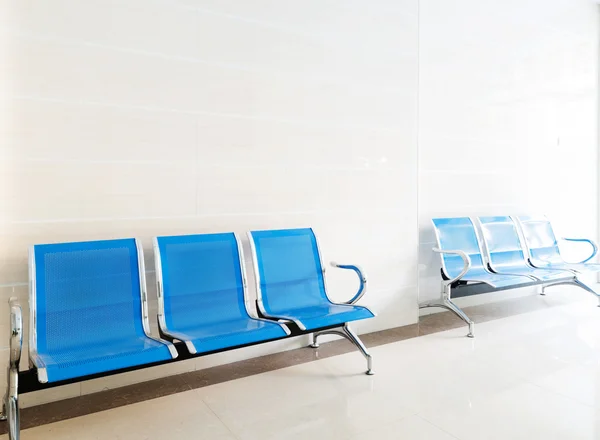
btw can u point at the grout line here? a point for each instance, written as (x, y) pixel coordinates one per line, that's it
(261, 118)
(436, 426)
(192, 217)
(338, 81)
(217, 416)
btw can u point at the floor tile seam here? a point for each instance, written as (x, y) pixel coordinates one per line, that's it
(438, 427)
(213, 412)
(558, 393)
(366, 431)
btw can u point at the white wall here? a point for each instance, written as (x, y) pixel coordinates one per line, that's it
(361, 119)
(150, 117)
(507, 116)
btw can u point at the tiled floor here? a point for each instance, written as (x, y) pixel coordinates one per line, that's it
(530, 376)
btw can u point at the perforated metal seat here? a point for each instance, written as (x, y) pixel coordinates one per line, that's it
(462, 260)
(291, 284)
(544, 252)
(456, 235)
(505, 251)
(202, 300)
(88, 311)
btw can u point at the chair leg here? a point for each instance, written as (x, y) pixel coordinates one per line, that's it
(353, 337)
(347, 333)
(542, 290)
(312, 338)
(448, 304)
(587, 288)
(10, 406)
(576, 281)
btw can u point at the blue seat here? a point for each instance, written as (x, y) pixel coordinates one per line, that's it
(202, 298)
(505, 252)
(462, 260)
(89, 310)
(543, 247)
(458, 234)
(291, 284)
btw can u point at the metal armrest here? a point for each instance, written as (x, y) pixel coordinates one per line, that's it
(585, 240)
(362, 278)
(16, 332)
(461, 254)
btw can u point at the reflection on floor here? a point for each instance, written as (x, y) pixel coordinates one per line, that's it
(530, 376)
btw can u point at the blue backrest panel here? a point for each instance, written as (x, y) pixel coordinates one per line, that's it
(87, 294)
(290, 269)
(540, 238)
(502, 240)
(457, 234)
(202, 280)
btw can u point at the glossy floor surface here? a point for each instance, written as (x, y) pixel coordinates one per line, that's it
(530, 376)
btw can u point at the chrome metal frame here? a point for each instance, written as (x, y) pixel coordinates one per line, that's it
(10, 403)
(160, 295)
(359, 272)
(584, 240)
(530, 259)
(144, 299)
(346, 332)
(446, 296)
(362, 277)
(445, 302)
(259, 300)
(245, 288)
(575, 281)
(34, 360)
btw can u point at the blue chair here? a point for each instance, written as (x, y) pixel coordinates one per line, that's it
(290, 286)
(544, 254)
(462, 260)
(543, 247)
(89, 311)
(202, 294)
(505, 252)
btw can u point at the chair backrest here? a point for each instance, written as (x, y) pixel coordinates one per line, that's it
(457, 234)
(540, 238)
(85, 295)
(202, 280)
(502, 241)
(288, 266)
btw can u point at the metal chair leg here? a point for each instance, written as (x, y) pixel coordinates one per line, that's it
(313, 340)
(12, 408)
(448, 304)
(576, 281)
(347, 333)
(352, 337)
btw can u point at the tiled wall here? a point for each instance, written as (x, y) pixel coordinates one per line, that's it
(507, 116)
(149, 117)
(361, 119)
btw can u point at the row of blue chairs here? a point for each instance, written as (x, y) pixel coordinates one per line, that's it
(503, 252)
(89, 311)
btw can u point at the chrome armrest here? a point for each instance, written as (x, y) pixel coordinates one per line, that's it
(585, 240)
(461, 254)
(16, 332)
(362, 289)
